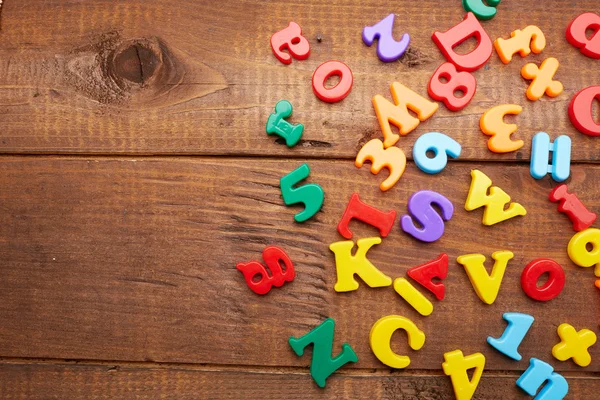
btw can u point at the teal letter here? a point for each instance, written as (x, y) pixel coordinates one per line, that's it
(322, 365)
(310, 194)
(481, 11)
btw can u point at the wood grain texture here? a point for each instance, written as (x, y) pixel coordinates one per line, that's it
(81, 381)
(134, 260)
(199, 77)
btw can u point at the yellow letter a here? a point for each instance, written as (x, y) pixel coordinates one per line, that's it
(486, 286)
(456, 367)
(348, 265)
(494, 202)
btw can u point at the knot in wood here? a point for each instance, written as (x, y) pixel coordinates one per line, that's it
(135, 62)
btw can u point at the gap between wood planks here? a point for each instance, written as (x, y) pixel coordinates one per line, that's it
(259, 369)
(242, 157)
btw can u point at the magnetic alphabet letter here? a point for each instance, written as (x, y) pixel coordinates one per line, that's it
(580, 110)
(574, 345)
(381, 335)
(532, 272)
(348, 265)
(521, 41)
(273, 256)
(578, 252)
(291, 39)
(541, 79)
(367, 214)
(494, 202)
(468, 28)
(397, 113)
(420, 207)
(561, 157)
(425, 273)
(388, 49)
(508, 343)
(535, 376)
(442, 145)
(324, 72)
(576, 34)
(311, 195)
(391, 158)
(486, 286)
(464, 82)
(413, 297)
(276, 124)
(492, 125)
(456, 366)
(480, 9)
(322, 364)
(570, 204)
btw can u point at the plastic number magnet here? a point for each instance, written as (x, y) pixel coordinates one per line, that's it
(521, 41)
(580, 110)
(324, 72)
(413, 297)
(570, 204)
(381, 335)
(533, 271)
(574, 345)
(468, 28)
(456, 366)
(273, 257)
(425, 273)
(420, 207)
(561, 157)
(397, 114)
(536, 375)
(486, 286)
(322, 364)
(454, 81)
(508, 343)
(276, 124)
(576, 34)
(578, 252)
(492, 125)
(311, 194)
(442, 145)
(367, 214)
(482, 11)
(348, 265)
(388, 49)
(542, 79)
(391, 158)
(494, 203)
(291, 39)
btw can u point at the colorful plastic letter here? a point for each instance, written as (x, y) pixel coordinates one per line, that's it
(388, 49)
(273, 257)
(347, 265)
(486, 286)
(413, 297)
(561, 157)
(578, 252)
(425, 273)
(570, 204)
(397, 113)
(576, 34)
(456, 366)
(535, 376)
(322, 364)
(494, 202)
(532, 272)
(521, 41)
(420, 207)
(464, 82)
(381, 335)
(291, 39)
(541, 79)
(574, 345)
(391, 158)
(482, 12)
(442, 145)
(468, 28)
(311, 195)
(276, 124)
(384, 221)
(492, 125)
(508, 343)
(580, 110)
(324, 72)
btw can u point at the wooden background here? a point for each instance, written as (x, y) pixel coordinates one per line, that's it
(135, 174)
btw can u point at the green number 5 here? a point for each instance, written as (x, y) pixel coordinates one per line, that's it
(310, 194)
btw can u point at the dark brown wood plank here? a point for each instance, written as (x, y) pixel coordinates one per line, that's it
(199, 77)
(134, 259)
(81, 381)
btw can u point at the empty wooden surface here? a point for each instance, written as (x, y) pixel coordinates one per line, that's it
(135, 174)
